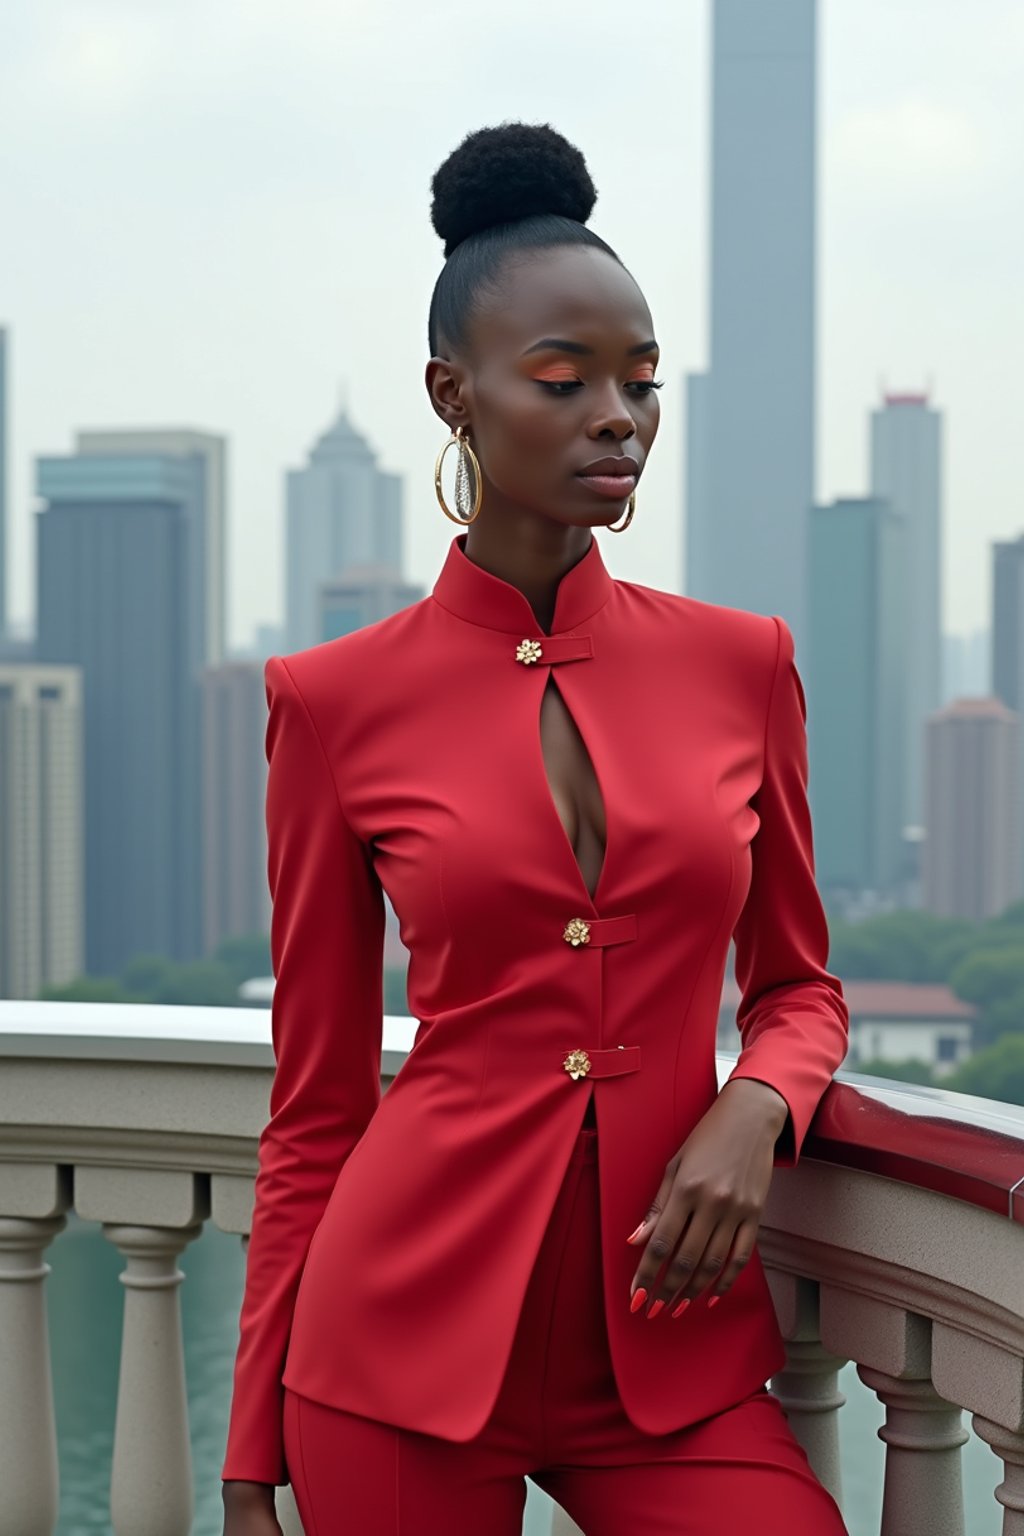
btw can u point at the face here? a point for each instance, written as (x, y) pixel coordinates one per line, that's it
(558, 376)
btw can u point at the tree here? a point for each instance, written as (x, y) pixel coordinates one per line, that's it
(245, 956)
(901, 946)
(993, 979)
(995, 1073)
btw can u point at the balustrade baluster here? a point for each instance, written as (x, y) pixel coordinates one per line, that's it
(808, 1385)
(29, 1477)
(151, 1475)
(923, 1433)
(1009, 1447)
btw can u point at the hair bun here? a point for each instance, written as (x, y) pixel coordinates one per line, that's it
(510, 172)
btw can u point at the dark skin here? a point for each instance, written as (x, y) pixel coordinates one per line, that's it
(535, 418)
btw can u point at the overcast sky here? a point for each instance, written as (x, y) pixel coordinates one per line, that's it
(216, 214)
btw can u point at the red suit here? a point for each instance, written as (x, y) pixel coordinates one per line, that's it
(393, 1237)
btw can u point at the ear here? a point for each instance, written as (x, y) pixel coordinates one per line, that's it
(447, 383)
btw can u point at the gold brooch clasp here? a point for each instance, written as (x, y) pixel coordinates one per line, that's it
(577, 1064)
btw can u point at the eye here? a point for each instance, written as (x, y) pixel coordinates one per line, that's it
(560, 386)
(644, 386)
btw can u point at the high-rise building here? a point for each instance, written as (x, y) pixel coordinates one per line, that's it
(115, 563)
(853, 675)
(5, 347)
(967, 666)
(342, 510)
(236, 896)
(365, 594)
(906, 440)
(1007, 677)
(750, 417)
(972, 856)
(42, 884)
(208, 579)
(1006, 674)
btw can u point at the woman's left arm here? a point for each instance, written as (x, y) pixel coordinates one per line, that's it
(794, 1030)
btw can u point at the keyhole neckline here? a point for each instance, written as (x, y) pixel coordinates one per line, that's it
(593, 901)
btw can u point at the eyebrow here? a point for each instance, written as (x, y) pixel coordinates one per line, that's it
(555, 344)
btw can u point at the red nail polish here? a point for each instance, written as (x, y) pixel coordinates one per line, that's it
(682, 1306)
(713, 1299)
(639, 1297)
(656, 1307)
(634, 1235)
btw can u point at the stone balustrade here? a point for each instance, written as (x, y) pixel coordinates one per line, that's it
(898, 1244)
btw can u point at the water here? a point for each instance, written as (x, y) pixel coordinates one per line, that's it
(85, 1302)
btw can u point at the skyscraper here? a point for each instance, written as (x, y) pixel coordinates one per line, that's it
(854, 683)
(42, 885)
(342, 510)
(115, 562)
(4, 530)
(1007, 662)
(906, 440)
(364, 595)
(209, 556)
(236, 898)
(1008, 622)
(972, 853)
(750, 417)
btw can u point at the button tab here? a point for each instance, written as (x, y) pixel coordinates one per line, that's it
(608, 1061)
(600, 931)
(549, 650)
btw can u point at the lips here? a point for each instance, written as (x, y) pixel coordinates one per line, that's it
(614, 477)
(615, 464)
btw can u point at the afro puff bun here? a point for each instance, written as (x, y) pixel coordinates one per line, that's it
(497, 175)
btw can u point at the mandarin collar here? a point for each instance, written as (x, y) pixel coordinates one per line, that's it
(470, 592)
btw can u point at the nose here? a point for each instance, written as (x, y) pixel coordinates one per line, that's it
(611, 417)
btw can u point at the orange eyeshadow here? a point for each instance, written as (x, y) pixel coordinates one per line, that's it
(556, 372)
(645, 372)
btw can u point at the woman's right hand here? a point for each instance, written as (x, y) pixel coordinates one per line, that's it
(249, 1509)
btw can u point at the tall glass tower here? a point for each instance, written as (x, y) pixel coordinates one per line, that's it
(751, 416)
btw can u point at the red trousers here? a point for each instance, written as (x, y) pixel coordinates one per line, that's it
(558, 1421)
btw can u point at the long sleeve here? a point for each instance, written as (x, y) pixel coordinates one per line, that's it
(326, 939)
(793, 1018)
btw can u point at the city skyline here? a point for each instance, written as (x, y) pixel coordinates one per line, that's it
(208, 273)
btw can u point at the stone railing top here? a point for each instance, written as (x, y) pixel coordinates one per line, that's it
(969, 1148)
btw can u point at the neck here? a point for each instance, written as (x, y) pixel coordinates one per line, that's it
(532, 554)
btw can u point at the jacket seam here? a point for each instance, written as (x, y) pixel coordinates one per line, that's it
(732, 879)
(771, 700)
(302, 1467)
(696, 983)
(323, 750)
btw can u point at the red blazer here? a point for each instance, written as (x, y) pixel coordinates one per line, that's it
(392, 1237)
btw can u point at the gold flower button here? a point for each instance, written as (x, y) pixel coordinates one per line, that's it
(577, 932)
(577, 1064)
(528, 650)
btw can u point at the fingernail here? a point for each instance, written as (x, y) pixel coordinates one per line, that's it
(713, 1299)
(682, 1306)
(656, 1307)
(639, 1297)
(634, 1235)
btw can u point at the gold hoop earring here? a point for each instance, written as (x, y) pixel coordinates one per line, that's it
(629, 517)
(467, 468)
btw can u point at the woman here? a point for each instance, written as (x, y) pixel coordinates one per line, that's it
(574, 790)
